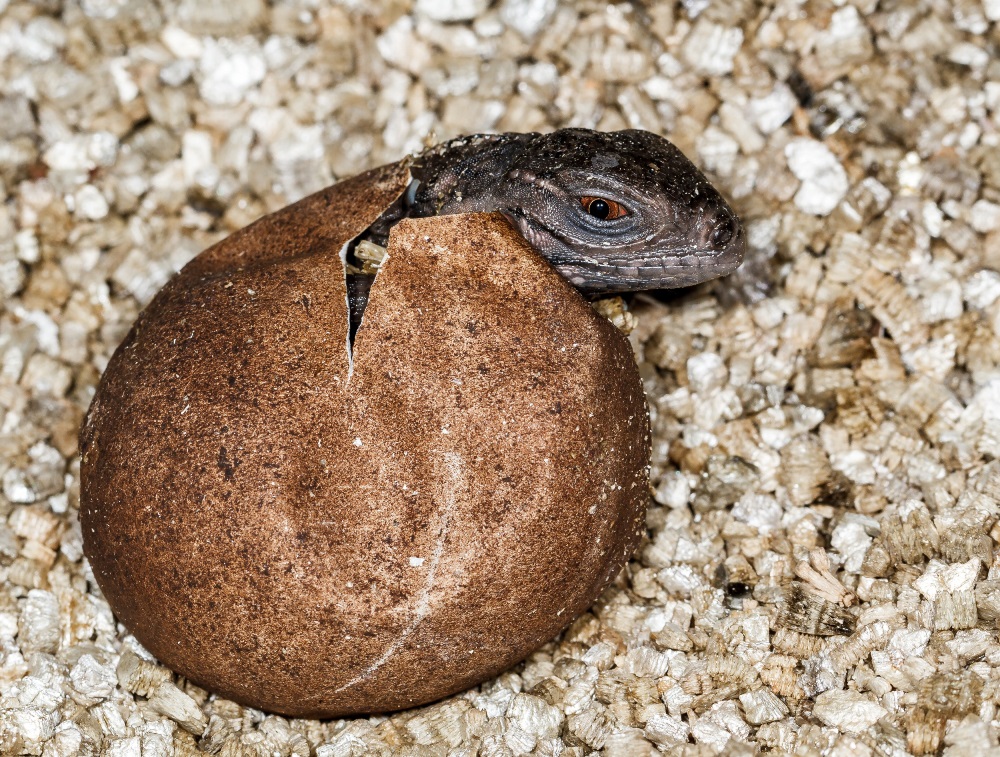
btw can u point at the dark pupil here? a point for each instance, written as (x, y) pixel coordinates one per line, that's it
(599, 209)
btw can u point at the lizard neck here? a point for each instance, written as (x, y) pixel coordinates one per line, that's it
(465, 175)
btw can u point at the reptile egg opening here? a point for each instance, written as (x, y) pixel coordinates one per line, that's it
(244, 536)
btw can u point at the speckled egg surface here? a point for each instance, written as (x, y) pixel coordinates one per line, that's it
(319, 531)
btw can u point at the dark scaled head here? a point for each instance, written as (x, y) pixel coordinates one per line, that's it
(621, 211)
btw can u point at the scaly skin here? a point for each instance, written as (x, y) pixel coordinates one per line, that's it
(674, 228)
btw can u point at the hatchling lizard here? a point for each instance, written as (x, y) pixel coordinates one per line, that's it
(613, 212)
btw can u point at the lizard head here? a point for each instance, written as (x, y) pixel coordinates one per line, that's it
(621, 211)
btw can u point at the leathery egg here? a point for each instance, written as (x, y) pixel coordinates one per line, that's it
(320, 529)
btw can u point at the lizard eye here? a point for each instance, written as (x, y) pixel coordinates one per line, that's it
(606, 210)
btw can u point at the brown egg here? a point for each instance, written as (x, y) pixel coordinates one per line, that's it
(317, 536)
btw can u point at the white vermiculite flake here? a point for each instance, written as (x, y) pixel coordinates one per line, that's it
(851, 711)
(173, 703)
(824, 181)
(94, 680)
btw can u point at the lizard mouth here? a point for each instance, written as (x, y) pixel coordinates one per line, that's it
(651, 264)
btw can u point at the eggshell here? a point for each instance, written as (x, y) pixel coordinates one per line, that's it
(316, 537)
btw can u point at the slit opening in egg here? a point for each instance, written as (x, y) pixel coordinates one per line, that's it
(362, 258)
(347, 297)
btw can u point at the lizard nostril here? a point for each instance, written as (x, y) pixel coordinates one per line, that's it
(723, 231)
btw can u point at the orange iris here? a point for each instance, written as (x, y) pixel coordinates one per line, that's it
(606, 210)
